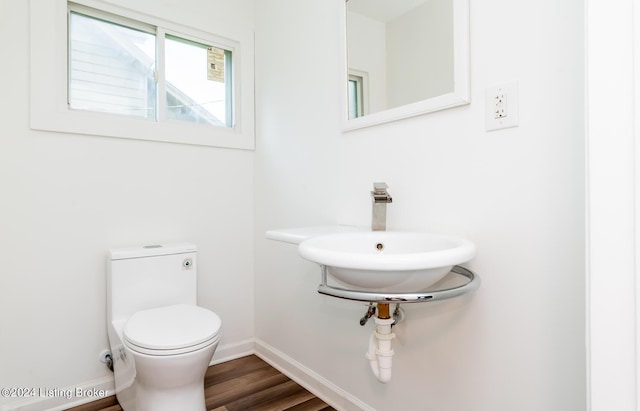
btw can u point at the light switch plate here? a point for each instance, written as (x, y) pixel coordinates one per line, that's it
(501, 106)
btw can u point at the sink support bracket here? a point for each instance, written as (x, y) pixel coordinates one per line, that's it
(418, 297)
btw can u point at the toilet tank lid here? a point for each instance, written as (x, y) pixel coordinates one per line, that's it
(151, 250)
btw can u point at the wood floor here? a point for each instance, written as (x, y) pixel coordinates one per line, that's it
(247, 383)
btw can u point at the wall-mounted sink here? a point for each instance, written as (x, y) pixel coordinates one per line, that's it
(387, 261)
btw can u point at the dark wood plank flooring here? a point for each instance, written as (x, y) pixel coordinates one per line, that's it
(244, 384)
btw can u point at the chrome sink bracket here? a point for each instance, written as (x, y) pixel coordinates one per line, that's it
(323, 274)
(418, 297)
(371, 311)
(398, 315)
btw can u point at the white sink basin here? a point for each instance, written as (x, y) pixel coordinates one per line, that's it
(392, 261)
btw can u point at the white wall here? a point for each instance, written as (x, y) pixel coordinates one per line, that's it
(613, 155)
(420, 53)
(518, 343)
(407, 59)
(67, 199)
(367, 52)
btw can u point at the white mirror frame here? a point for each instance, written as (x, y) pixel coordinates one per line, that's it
(461, 78)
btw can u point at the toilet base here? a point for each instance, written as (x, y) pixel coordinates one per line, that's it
(167, 383)
(183, 398)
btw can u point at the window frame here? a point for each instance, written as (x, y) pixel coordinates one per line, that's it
(49, 80)
(361, 80)
(356, 104)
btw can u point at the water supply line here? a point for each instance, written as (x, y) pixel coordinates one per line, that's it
(380, 354)
(371, 311)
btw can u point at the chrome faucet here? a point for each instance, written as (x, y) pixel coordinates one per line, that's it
(380, 198)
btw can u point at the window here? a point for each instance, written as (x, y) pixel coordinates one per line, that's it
(198, 82)
(357, 92)
(356, 108)
(118, 72)
(111, 67)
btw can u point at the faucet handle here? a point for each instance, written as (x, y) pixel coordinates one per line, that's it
(380, 187)
(380, 194)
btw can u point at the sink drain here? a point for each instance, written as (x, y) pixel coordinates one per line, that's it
(380, 246)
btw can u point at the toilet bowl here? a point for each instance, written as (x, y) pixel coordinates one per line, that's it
(161, 341)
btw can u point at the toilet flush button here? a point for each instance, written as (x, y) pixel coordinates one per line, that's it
(187, 263)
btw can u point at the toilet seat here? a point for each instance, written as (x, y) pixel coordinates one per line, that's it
(171, 330)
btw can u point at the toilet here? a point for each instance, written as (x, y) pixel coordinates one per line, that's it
(161, 341)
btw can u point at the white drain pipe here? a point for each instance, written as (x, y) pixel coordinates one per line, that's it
(380, 353)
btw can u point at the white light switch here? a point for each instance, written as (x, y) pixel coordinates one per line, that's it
(501, 106)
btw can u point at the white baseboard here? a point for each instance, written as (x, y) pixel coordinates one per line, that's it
(228, 352)
(315, 383)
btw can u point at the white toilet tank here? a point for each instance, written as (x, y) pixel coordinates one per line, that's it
(151, 276)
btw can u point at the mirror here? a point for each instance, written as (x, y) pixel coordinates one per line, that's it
(404, 58)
